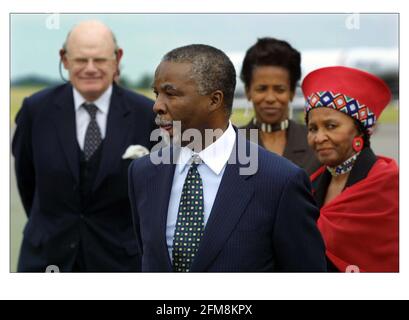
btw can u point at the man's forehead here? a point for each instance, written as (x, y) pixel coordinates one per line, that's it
(90, 41)
(171, 74)
(173, 67)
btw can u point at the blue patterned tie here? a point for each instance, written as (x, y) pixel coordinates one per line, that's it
(93, 134)
(190, 223)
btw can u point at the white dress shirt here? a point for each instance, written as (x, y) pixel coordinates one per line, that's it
(214, 159)
(82, 117)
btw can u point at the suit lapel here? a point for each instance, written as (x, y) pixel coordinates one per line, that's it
(118, 125)
(235, 191)
(64, 117)
(158, 193)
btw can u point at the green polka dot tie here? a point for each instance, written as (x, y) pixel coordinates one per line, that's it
(190, 224)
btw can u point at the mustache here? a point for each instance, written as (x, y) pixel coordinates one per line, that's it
(162, 122)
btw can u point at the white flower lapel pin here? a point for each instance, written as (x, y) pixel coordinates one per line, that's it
(135, 152)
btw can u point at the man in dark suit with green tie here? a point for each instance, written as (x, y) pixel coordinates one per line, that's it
(198, 205)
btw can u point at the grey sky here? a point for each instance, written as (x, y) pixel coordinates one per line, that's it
(145, 38)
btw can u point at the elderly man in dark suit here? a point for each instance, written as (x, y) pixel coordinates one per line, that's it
(71, 160)
(207, 209)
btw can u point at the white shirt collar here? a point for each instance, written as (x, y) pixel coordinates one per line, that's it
(102, 102)
(215, 156)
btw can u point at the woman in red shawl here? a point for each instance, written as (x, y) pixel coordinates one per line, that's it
(357, 191)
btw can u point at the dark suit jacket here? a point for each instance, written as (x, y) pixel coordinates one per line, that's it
(297, 149)
(260, 222)
(46, 152)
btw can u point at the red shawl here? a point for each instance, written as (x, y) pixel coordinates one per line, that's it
(360, 226)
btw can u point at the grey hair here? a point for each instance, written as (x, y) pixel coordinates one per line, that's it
(211, 69)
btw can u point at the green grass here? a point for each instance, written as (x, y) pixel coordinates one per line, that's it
(239, 117)
(17, 95)
(390, 114)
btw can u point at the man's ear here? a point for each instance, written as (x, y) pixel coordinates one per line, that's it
(216, 100)
(119, 53)
(63, 58)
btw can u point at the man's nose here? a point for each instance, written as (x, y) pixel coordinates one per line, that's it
(90, 67)
(159, 106)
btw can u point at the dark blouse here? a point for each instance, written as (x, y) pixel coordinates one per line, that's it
(297, 149)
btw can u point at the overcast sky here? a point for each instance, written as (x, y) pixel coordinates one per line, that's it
(145, 38)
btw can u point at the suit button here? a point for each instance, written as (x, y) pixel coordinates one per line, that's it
(73, 245)
(74, 187)
(81, 216)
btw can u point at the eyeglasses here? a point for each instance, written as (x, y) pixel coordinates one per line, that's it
(98, 62)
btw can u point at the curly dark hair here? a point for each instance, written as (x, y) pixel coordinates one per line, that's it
(271, 52)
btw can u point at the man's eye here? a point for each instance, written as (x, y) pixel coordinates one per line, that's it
(100, 60)
(81, 60)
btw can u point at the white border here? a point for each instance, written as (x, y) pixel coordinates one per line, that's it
(206, 286)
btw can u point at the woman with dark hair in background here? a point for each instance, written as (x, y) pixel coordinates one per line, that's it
(270, 72)
(356, 191)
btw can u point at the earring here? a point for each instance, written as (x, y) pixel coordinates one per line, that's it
(357, 144)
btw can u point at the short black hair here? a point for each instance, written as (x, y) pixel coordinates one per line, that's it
(211, 69)
(271, 52)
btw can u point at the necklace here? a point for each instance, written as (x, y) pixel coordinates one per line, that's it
(344, 167)
(267, 127)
